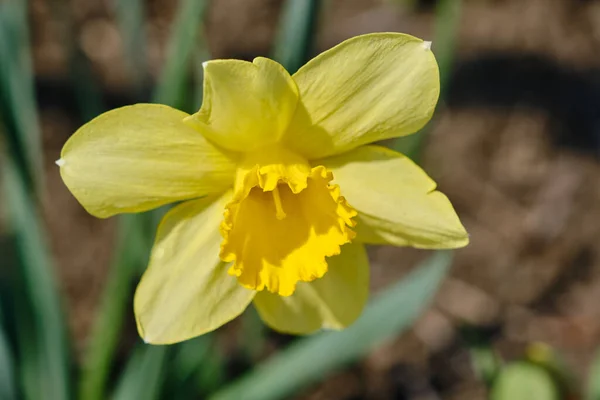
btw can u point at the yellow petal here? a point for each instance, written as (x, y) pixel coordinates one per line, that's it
(140, 157)
(332, 302)
(246, 104)
(186, 290)
(368, 88)
(396, 200)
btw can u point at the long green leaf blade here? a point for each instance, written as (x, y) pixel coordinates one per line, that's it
(171, 86)
(16, 88)
(144, 374)
(39, 286)
(39, 321)
(130, 17)
(7, 375)
(447, 22)
(295, 36)
(108, 324)
(593, 392)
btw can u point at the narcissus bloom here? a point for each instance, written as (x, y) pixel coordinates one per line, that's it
(280, 186)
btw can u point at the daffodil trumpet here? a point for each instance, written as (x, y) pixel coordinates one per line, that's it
(279, 184)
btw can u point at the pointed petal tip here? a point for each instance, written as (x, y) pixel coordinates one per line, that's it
(427, 45)
(60, 162)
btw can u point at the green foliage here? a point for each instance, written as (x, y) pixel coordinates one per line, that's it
(594, 379)
(171, 86)
(7, 373)
(485, 361)
(42, 368)
(541, 374)
(43, 340)
(16, 91)
(144, 374)
(294, 39)
(524, 381)
(130, 16)
(447, 22)
(117, 298)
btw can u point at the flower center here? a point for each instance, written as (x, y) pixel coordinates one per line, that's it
(285, 218)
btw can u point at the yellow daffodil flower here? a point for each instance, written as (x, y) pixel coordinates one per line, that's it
(280, 186)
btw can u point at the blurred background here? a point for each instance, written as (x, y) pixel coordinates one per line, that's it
(515, 144)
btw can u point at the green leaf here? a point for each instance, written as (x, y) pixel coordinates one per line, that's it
(86, 89)
(294, 38)
(116, 299)
(447, 22)
(593, 392)
(197, 367)
(485, 362)
(252, 335)
(17, 91)
(524, 381)
(39, 323)
(46, 368)
(144, 374)
(171, 85)
(7, 375)
(310, 360)
(213, 372)
(188, 358)
(130, 17)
